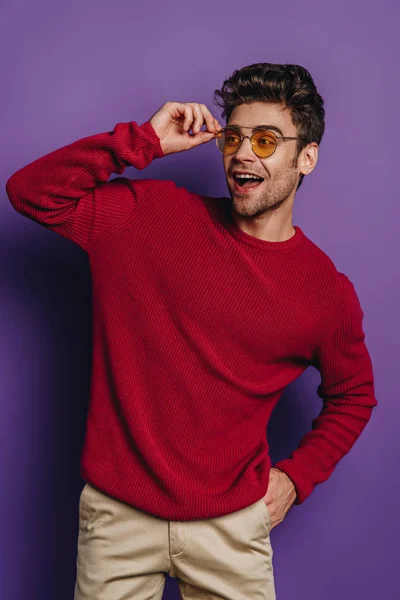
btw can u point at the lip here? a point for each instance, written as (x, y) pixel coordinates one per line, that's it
(244, 190)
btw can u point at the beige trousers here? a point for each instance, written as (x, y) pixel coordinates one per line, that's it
(124, 553)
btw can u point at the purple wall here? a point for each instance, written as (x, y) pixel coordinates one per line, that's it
(75, 69)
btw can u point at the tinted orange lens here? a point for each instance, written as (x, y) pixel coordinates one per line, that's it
(263, 142)
(228, 141)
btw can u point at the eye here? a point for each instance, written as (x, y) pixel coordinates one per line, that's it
(264, 138)
(265, 141)
(232, 138)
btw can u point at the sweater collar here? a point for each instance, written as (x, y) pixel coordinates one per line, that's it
(251, 240)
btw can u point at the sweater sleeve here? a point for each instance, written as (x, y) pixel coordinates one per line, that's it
(347, 392)
(67, 190)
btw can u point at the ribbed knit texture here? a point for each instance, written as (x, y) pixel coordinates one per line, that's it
(197, 329)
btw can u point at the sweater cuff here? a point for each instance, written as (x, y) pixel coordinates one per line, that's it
(153, 139)
(135, 145)
(303, 487)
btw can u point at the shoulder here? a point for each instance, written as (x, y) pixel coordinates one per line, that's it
(333, 290)
(325, 270)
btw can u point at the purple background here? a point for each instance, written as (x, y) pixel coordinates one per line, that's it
(75, 69)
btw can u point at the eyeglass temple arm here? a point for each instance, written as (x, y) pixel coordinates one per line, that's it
(285, 137)
(278, 137)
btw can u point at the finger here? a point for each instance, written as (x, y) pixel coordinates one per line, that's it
(206, 117)
(188, 118)
(180, 111)
(198, 118)
(209, 119)
(200, 138)
(218, 126)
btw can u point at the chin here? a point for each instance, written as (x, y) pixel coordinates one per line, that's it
(246, 208)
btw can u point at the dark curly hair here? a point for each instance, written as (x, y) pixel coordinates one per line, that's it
(289, 85)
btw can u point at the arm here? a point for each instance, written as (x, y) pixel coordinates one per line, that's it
(347, 391)
(67, 190)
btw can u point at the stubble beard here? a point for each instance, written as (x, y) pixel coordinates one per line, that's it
(271, 196)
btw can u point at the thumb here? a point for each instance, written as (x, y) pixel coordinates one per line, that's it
(200, 138)
(273, 472)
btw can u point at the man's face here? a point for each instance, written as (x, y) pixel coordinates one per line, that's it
(279, 172)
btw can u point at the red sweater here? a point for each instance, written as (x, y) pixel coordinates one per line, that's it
(197, 329)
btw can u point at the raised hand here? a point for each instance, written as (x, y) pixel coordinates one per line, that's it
(178, 125)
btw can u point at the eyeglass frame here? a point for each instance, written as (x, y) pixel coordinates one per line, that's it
(255, 129)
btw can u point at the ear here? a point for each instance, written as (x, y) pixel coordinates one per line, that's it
(308, 158)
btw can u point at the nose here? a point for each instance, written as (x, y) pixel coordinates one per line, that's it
(245, 151)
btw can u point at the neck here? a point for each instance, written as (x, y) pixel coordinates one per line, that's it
(271, 227)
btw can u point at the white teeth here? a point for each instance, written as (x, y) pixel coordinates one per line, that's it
(242, 176)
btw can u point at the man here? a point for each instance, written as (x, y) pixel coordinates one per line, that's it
(204, 310)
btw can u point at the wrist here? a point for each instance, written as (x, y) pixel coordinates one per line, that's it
(290, 483)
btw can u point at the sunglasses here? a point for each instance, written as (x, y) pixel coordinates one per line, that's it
(263, 141)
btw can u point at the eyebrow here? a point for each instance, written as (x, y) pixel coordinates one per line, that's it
(273, 127)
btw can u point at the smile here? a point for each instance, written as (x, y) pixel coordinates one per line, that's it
(246, 182)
